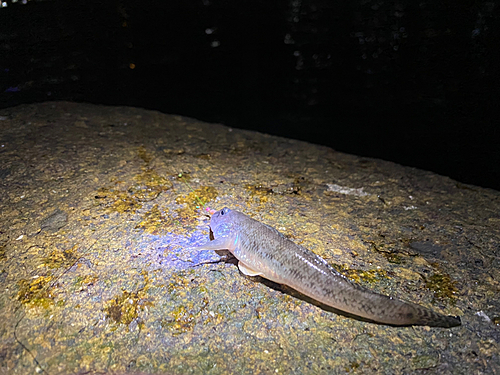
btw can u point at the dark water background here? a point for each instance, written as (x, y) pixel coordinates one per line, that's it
(417, 83)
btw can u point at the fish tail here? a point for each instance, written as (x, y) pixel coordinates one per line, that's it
(424, 316)
(388, 310)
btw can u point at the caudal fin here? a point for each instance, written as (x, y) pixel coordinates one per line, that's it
(427, 317)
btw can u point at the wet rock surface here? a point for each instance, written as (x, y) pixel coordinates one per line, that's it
(98, 205)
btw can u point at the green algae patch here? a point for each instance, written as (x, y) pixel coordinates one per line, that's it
(125, 308)
(184, 317)
(39, 291)
(36, 292)
(117, 200)
(58, 258)
(443, 287)
(356, 275)
(352, 366)
(154, 221)
(194, 201)
(259, 191)
(391, 254)
(147, 186)
(393, 257)
(87, 280)
(178, 282)
(144, 155)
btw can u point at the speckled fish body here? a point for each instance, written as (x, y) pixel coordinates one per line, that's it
(262, 250)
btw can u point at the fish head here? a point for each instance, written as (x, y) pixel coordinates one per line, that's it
(221, 222)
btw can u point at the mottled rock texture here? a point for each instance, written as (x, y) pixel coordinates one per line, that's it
(98, 205)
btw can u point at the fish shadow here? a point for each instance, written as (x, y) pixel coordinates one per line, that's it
(229, 258)
(295, 294)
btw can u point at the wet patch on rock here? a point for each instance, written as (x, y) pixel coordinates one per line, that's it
(426, 249)
(55, 221)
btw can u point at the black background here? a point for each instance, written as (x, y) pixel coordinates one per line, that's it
(416, 83)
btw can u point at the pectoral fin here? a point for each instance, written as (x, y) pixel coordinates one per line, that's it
(221, 243)
(245, 270)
